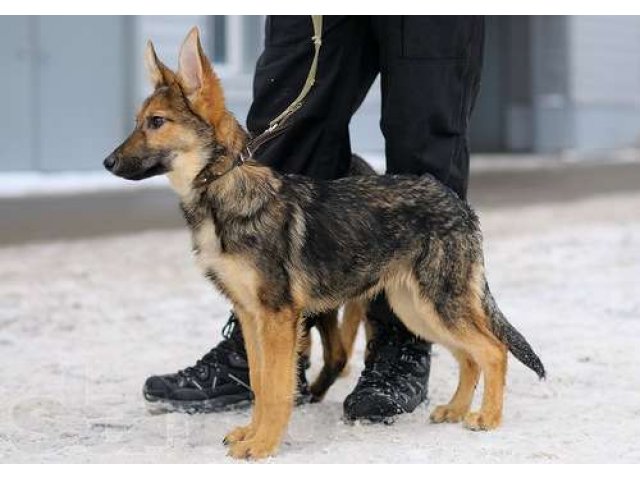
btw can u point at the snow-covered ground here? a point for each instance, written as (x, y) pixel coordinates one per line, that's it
(82, 324)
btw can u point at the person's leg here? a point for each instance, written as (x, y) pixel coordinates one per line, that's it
(430, 72)
(317, 144)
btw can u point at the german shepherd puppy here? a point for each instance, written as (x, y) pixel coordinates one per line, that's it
(280, 246)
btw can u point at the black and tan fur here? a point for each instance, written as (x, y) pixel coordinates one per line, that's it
(338, 337)
(281, 246)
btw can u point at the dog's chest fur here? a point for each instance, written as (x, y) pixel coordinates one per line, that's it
(232, 275)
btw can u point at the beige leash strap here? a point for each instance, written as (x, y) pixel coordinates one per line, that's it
(311, 76)
(278, 124)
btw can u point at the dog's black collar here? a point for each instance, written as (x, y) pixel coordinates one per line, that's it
(247, 151)
(205, 177)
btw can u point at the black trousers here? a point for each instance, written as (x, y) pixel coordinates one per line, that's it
(430, 74)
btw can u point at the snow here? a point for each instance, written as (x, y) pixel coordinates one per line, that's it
(23, 184)
(82, 323)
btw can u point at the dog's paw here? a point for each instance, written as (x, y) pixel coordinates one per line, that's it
(481, 421)
(315, 398)
(447, 413)
(316, 394)
(253, 449)
(239, 434)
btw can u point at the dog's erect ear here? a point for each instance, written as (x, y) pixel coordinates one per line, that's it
(198, 81)
(159, 74)
(192, 63)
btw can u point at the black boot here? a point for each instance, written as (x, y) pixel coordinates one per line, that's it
(218, 381)
(396, 375)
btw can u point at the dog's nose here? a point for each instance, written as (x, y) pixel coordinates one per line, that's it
(110, 162)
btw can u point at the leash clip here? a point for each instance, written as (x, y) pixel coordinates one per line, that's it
(245, 155)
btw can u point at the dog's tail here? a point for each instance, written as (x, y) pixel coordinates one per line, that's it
(508, 335)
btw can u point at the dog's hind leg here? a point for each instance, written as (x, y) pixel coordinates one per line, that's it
(335, 357)
(491, 356)
(420, 316)
(304, 342)
(354, 314)
(466, 337)
(277, 339)
(460, 403)
(250, 334)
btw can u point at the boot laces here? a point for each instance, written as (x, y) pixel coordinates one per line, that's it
(390, 362)
(217, 355)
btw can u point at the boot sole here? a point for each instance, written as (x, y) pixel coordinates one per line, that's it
(158, 405)
(384, 419)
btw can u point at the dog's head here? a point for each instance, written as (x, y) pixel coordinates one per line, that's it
(181, 124)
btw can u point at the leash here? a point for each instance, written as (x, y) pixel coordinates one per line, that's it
(280, 123)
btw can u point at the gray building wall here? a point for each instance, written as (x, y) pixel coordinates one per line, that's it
(17, 142)
(604, 78)
(559, 83)
(65, 95)
(524, 97)
(549, 84)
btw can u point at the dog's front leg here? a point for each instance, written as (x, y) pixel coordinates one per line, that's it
(252, 347)
(277, 338)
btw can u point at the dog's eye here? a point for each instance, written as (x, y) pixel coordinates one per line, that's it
(155, 122)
